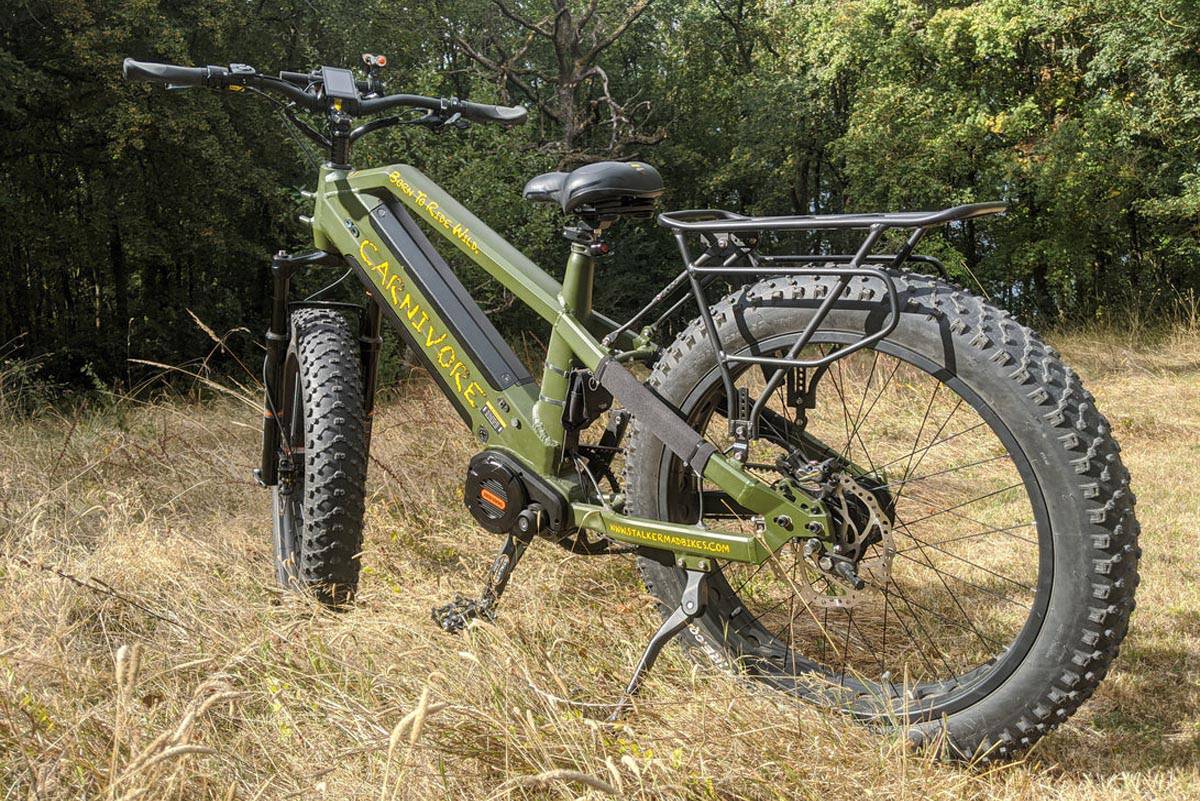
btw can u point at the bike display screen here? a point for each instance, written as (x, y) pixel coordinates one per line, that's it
(339, 83)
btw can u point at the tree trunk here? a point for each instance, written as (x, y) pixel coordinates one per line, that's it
(120, 276)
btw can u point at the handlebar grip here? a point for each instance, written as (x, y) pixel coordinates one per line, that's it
(170, 73)
(483, 112)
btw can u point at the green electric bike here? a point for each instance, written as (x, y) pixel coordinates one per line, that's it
(851, 481)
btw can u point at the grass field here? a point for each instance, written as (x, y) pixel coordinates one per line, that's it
(144, 652)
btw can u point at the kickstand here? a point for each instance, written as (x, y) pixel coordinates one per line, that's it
(454, 616)
(691, 606)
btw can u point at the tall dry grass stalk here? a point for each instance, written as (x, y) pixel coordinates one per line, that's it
(224, 688)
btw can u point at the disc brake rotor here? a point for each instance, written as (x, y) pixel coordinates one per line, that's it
(863, 538)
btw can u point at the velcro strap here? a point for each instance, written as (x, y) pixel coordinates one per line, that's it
(654, 413)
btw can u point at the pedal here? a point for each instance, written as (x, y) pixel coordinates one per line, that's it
(454, 616)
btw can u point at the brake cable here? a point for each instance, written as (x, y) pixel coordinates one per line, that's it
(309, 131)
(287, 111)
(431, 120)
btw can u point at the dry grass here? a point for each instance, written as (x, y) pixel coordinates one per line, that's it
(145, 654)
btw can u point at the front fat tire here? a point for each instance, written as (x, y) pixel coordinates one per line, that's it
(1078, 467)
(319, 538)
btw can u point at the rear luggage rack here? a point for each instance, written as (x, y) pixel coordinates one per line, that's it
(730, 240)
(717, 220)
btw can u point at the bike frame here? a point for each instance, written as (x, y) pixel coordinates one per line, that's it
(363, 217)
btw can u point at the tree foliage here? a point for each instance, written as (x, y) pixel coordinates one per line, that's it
(127, 206)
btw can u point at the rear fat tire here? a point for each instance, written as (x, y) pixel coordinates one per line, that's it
(1077, 465)
(318, 536)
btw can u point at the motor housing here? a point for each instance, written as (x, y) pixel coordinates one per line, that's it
(495, 493)
(500, 492)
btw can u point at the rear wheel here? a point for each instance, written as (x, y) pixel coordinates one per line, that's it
(973, 486)
(318, 501)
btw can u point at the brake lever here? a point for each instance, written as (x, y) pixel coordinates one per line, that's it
(436, 122)
(456, 120)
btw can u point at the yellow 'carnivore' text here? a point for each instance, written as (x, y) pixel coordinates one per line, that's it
(436, 344)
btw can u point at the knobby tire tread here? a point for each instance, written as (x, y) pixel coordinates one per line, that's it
(335, 459)
(1092, 477)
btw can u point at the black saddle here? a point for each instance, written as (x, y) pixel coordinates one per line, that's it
(604, 189)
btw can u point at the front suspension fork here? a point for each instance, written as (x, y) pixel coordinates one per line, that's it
(370, 340)
(283, 266)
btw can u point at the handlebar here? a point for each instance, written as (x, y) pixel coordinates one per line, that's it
(168, 73)
(214, 77)
(476, 112)
(301, 89)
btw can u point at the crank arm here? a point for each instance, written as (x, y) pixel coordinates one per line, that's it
(454, 616)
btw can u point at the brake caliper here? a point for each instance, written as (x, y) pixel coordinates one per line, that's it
(862, 549)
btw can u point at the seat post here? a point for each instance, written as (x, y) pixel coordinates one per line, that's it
(560, 358)
(579, 280)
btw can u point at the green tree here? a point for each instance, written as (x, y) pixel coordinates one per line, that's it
(127, 206)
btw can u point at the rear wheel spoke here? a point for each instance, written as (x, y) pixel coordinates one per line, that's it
(951, 510)
(938, 601)
(931, 446)
(1006, 530)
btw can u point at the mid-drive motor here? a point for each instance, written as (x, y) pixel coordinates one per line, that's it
(494, 493)
(505, 497)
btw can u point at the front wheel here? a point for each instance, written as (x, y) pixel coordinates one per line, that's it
(319, 499)
(976, 495)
